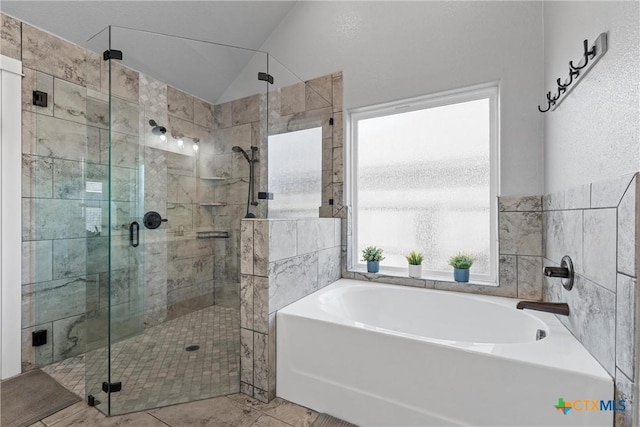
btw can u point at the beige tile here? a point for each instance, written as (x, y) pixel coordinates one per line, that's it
(180, 104)
(318, 93)
(291, 413)
(292, 99)
(10, 37)
(203, 113)
(125, 82)
(70, 101)
(68, 63)
(337, 92)
(267, 421)
(219, 411)
(246, 110)
(137, 419)
(66, 412)
(85, 417)
(38, 424)
(35, 80)
(280, 409)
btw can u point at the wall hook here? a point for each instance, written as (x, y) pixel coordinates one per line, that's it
(588, 54)
(561, 86)
(544, 111)
(589, 58)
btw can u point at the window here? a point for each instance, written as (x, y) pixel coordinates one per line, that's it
(295, 174)
(424, 177)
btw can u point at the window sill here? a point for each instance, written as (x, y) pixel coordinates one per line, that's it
(429, 281)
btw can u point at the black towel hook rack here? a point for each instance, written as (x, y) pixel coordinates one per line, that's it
(590, 57)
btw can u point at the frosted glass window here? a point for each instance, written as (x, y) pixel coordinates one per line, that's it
(295, 174)
(424, 180)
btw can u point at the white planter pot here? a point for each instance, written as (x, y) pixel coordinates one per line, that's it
(415, 270)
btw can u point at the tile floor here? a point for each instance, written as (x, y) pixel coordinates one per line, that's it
(225, 411)
(154, 367)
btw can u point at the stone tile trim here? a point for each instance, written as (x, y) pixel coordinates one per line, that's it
(281, 262)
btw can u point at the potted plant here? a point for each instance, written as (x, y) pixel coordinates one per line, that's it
(415, 263)
(461, 264)
(373, 256)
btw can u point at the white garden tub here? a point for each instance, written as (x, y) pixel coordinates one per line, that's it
(386, 355)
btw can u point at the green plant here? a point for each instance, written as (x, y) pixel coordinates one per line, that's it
(461, 261)
(415, 258)
(372, 253)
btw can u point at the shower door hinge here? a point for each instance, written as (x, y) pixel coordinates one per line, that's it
(331, 121)
(112, 54)
(265, 77)
(111, 387)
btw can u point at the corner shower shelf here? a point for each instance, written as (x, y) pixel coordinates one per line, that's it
(213, 204)
(211, 233)
(213, 178)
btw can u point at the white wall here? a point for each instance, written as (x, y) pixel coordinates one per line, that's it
(10, 216)
(593, 135)
(395, 50)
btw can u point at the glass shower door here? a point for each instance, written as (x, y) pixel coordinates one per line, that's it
(166, 328)
(112, 206)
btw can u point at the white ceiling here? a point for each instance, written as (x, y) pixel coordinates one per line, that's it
(203, 69)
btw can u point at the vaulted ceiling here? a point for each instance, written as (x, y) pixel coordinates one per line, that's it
(203, 69)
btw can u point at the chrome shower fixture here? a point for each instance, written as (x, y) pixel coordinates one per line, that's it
(157, 129)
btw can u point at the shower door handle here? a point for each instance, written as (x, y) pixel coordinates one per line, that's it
(134, 240)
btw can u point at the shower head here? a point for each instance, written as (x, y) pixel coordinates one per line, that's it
(237, 149)
(156, 129)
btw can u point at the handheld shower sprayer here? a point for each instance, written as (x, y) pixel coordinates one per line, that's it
(237, 149)
(251, 199)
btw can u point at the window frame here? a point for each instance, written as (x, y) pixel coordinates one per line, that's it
(489, 91)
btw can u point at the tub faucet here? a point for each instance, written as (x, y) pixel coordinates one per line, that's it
(550, 307)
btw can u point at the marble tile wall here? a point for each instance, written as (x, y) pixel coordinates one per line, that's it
(314, 103)
(520, 246)
(596, 225)
(64, 247)
(66, 147)
(281, 261)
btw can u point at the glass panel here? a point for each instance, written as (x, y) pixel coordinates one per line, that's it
(178, 148)
(297, 185)
(95, 188)
(296, 106)
(423, 184)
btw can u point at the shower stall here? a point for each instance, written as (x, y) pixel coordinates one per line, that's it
(165, 328)
(136, 185)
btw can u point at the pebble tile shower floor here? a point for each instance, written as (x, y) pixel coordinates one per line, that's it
(154, 367)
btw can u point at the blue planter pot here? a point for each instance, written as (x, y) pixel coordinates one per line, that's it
(461, 274)
(373, 266)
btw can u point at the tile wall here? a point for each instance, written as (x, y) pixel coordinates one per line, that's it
(306, 105)
(596, 225)
(282, 261)
(65, 148)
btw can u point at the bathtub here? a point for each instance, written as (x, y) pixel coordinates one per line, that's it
(385, 355)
